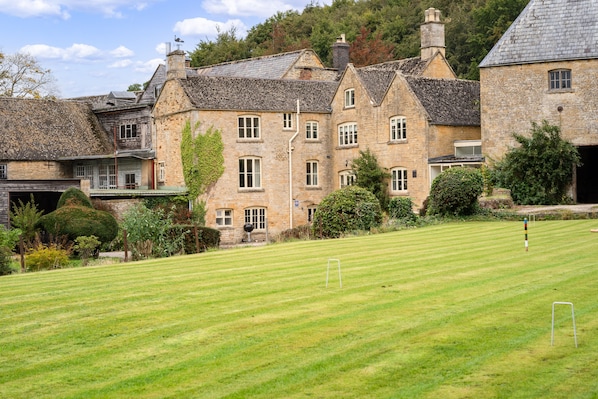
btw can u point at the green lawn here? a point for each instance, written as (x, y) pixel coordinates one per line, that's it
(450, 311)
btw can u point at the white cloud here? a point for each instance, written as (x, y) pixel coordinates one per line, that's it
(33, 8)
(122, 52)
(76, 53)
(204, 27)
(148, 67)
(62, 8)
(246, 8)
(120, 64)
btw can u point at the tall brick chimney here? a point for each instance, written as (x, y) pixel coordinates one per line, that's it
(175, 65)
(432, 34)
(340, 53)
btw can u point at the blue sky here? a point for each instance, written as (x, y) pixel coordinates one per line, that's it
(97, 46)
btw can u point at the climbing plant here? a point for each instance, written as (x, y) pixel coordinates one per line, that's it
(202, 157)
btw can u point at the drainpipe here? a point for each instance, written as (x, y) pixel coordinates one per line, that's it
(291, 170)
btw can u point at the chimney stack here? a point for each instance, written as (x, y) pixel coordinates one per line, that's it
(340, 53)
(175, 65)
(432, 34)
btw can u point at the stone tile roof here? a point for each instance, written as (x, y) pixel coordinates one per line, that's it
(377, 78)
(376, 82)
(407, 66)
(242, 94)
(38, 130)
(266, 67)
(549, 30)
(450, 102)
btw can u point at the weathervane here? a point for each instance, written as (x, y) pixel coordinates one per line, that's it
(178, 42)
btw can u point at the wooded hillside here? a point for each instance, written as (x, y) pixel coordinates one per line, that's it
(378, 31)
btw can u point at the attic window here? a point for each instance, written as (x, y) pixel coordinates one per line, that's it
(128, 131)
(3, 171)
(559, 79)
(349, 98)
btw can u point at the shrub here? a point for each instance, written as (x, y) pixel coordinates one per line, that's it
(371, 176)
(74, 196)
(8, 241)
(206, 237)
(85, 246)
(455, 192)
(539, 171)
(75, 221)
(349, 209)
(150, 232)
(25, 217)
(401, 208)
(46, 257)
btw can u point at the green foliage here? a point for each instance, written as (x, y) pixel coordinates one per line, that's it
(85, 246)
(25, 217)
(401, 208)
(46, 257)
(134, 87)
(539, 171)
(149, 232)
(75, 220)
(349, 209)
(202, 158)
(8, 241)
(74, 196)
(372, 177)
(455, 192)
(227, 47)
(472, 28)
(206, 238)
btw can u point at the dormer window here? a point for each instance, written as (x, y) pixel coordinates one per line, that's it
(468, 148)
(350, 98)
(560, 79)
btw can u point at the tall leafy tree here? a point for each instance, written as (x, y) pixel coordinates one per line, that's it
(371, 176)
(227, 47)
(22, 76)
(368, 49)
(540, 169)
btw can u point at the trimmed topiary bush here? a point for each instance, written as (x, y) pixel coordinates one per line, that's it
(455, 192)
(74, 196)
(75, 220)
(349, 209)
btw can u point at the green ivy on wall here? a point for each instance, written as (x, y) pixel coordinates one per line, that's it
(203, 159)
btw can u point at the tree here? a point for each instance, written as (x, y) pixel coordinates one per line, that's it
(455, 192)
(369, 49)
(134, 87)
(349, 209)
(21, 76)
(372, 177)
(540, 170)
(25, 217)
(227, 47)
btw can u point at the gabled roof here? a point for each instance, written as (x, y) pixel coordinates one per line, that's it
(38, 130)
(242, 94)
(266, 67)
(376, 82)
(450, 102)
(377, 78)
(549, 30)
(406, 66)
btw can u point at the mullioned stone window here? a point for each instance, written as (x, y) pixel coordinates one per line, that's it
(559, 79)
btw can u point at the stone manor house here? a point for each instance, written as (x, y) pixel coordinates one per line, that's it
(291, 127)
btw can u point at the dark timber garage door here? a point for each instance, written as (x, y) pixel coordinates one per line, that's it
(587, 176)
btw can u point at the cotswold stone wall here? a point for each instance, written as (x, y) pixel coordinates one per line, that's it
(514, 96)
(271, 148)
(38, 170)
